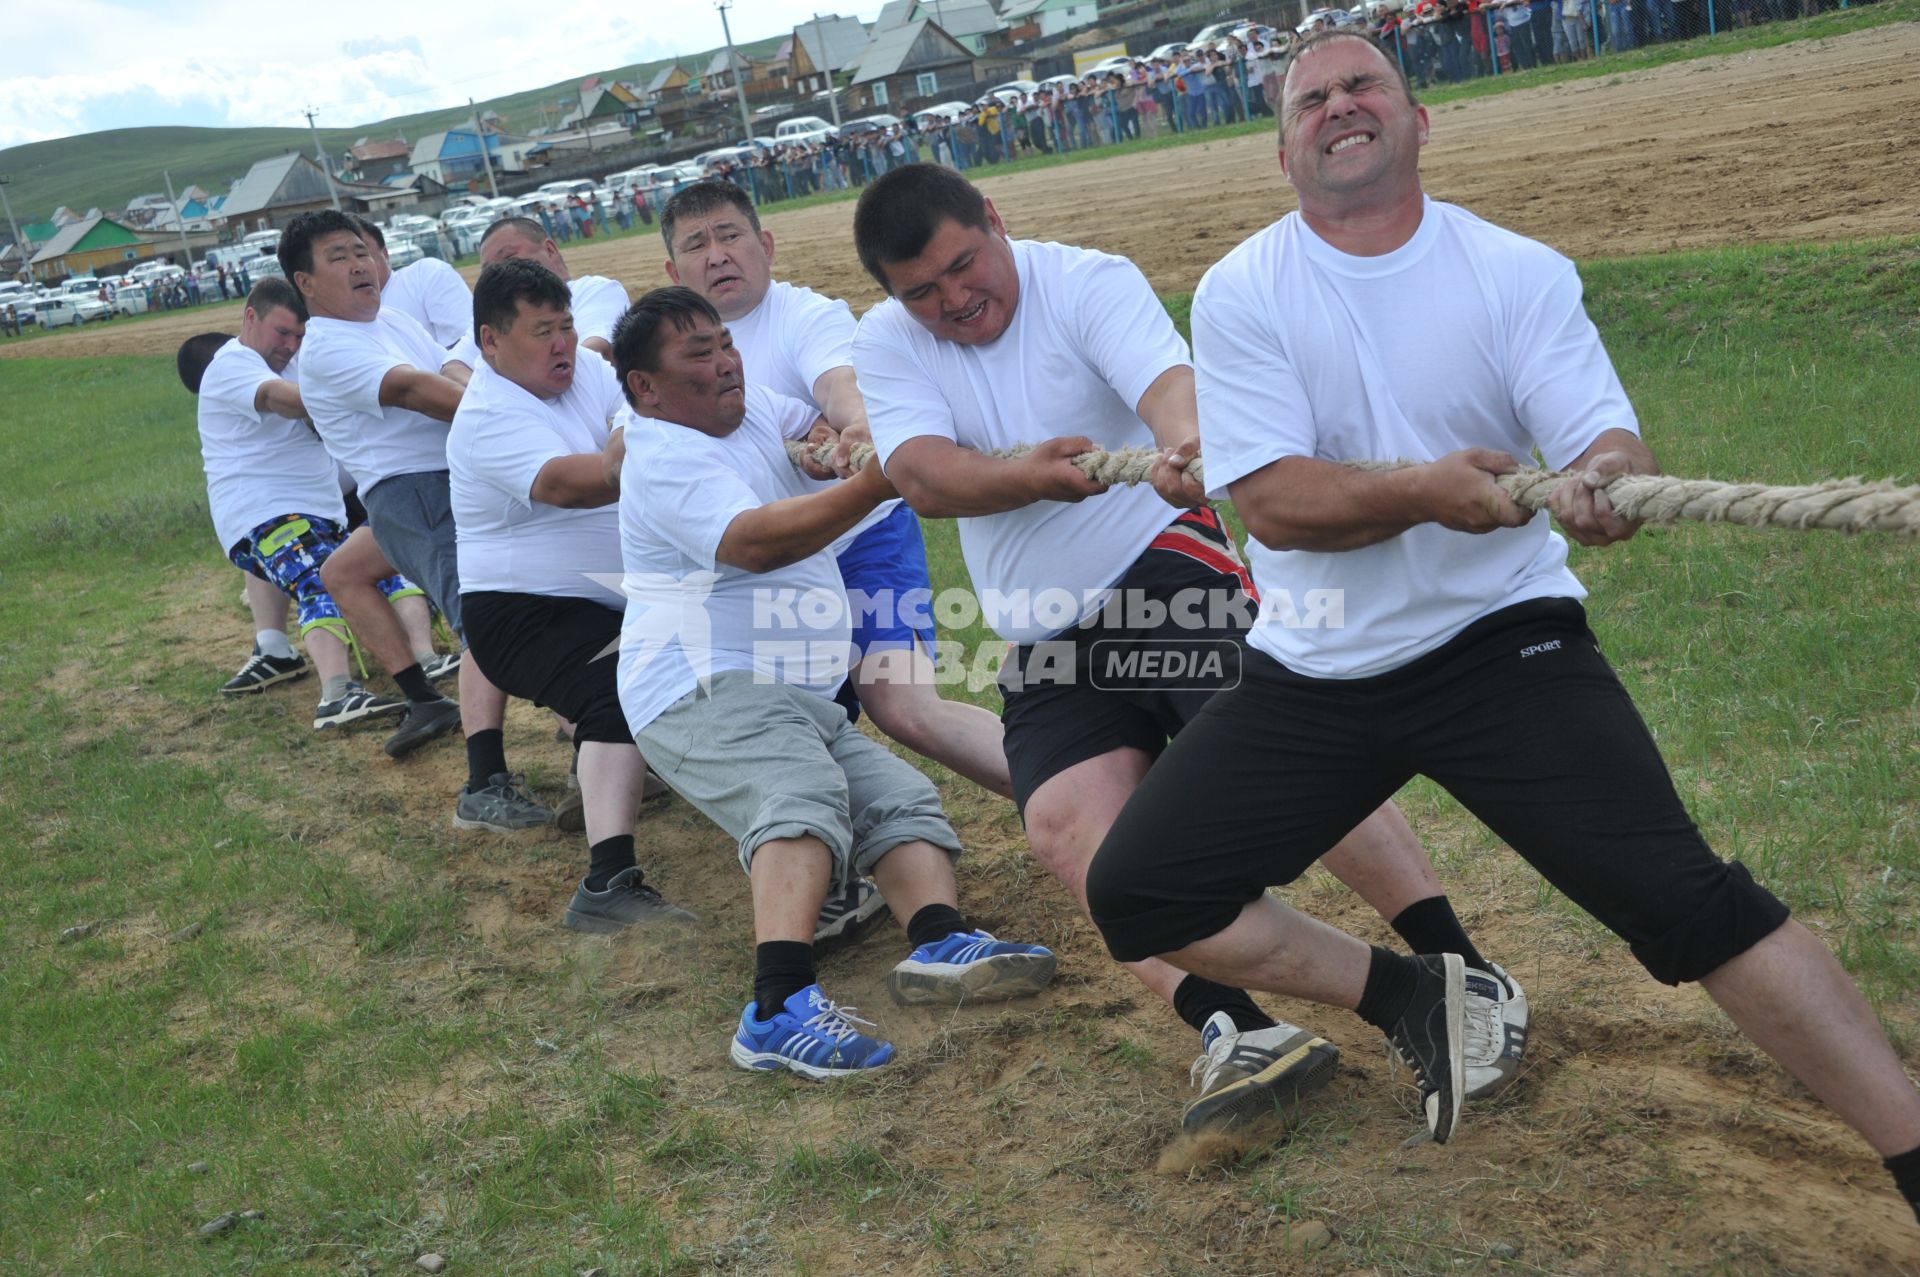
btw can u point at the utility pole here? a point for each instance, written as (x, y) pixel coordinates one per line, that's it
(833, 94)
(20, 245)
(486, 159)
(739, 80)
(333, 192)
(179, 220)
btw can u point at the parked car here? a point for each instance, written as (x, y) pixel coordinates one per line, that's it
(72, 307)
(941, 113)
(1217, 31)
(267, 241)
(403, 250)
(879, 120)
(1168, 52)
(129, 299)
(1331, 17)
(1118, 62)
(1017, 87)
(803, 128)
(265, 266)
(566, 190)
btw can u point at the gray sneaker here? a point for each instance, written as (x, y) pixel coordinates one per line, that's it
(503, 806)
(353, 705)
(444, 666)
(626, 902)
(425, 721)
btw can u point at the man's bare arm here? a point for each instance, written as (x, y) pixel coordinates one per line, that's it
(281, 397)
(427, 393)
(788, 530)
(576, 482)
(1173, 414)
(1299, 503)
(611, 459)
(942, 480)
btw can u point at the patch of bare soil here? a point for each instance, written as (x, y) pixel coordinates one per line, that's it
(1644, 1134)
(1799, 142)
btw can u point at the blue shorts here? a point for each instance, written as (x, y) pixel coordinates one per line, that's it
(288, 551)
(885, 572)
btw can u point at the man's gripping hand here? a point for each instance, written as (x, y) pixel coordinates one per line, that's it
(1460, 493)
(1580, 501)
(1170, 478)
(1050, 475)
(822, 433)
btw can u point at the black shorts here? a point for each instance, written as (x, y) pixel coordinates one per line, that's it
(560, 653)
(1133, 674)
(1519, 717)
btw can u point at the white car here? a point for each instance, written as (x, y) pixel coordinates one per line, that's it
(1217, 31)
(261, 242)
(803, 129)
(1019, 87)
(1105, 66)
(1168, 52)
(941, 113)
(73, 306)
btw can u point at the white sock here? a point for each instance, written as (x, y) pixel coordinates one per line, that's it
(273, 643)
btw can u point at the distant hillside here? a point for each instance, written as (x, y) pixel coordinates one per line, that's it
(107, 169)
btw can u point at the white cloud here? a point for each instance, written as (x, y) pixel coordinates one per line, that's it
(86, 65)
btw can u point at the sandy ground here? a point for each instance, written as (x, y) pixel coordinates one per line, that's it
(1807, 141)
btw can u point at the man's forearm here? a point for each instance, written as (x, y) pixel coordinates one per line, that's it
(793, 528)
(1299, 503)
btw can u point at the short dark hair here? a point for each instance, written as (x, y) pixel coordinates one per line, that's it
(270, 294)
(370, 229)
(899, 213)
(704, 197)
(525, 225)
(504, 285)
(1307, 45)
(637, 337)
(296, 241)
(195, 354)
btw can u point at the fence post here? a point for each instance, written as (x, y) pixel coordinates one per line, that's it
(1713, 27)
(785, 176)
(1493, 43)
(1595, 16)
(1399, 53)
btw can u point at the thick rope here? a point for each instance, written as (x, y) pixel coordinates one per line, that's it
(1838, 505)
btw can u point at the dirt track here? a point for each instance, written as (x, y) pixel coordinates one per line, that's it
(1806, 141)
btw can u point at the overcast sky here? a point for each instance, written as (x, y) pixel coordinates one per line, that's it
(79, 66)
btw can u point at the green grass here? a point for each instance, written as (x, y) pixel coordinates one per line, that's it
(346, 1055)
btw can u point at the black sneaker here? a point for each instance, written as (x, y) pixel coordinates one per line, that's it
(262, 671)
(425, 721)
(626, 902)
(502, 805)
(1430, 1039)
(846, 919)
(352, 706)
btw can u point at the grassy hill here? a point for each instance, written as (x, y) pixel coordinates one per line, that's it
(107, 169)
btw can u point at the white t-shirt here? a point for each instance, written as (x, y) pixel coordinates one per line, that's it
(596, 302)
(1466, 336)
(435, 294)
(500, 439)
(259, 465)
(341, 366)
(690, 616)
(1088, 337)
(788, 342)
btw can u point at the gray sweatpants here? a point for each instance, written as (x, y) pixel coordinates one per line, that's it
(766, 760)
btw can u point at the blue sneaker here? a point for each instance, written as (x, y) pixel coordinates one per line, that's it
(810, 1036)
(969, 966)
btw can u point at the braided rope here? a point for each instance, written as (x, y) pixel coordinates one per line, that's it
(1838, 505)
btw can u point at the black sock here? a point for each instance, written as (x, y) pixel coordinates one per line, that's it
(1391, 982)
(486, 758)
(1906, 1176)
(1196, 999)
(413, 684)
(935, 922)
(1428, 926)
(608, 857)
(781, 968)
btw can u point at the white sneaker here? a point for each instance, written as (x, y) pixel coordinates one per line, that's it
(1243, 1076)
(1496, 1031)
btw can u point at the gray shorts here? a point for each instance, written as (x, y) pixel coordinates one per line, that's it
(765, 761)
(412, 520)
